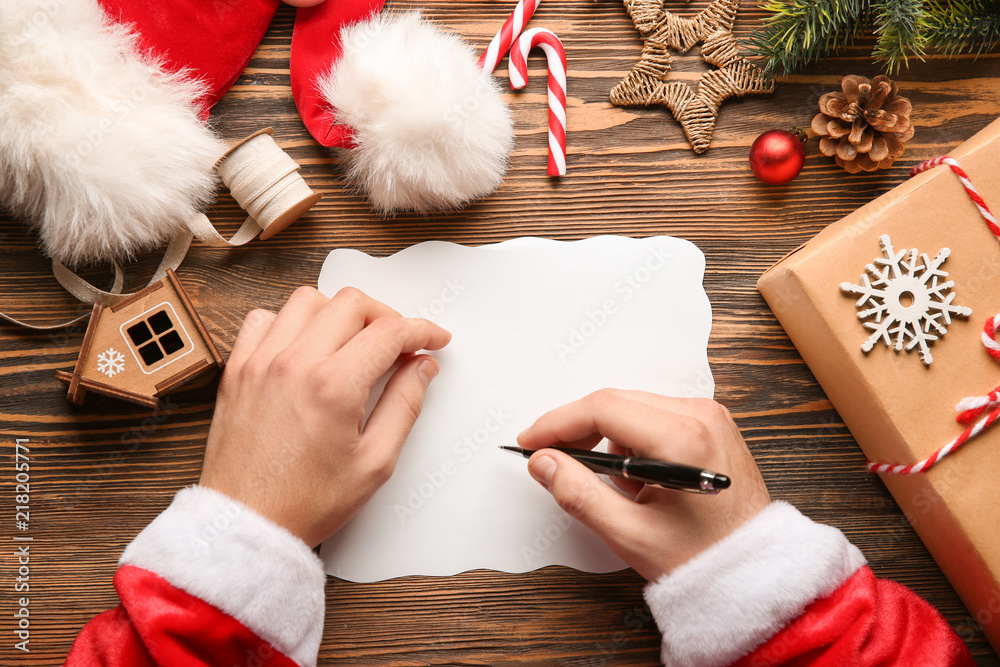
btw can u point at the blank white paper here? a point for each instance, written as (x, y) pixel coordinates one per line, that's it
(536, 324)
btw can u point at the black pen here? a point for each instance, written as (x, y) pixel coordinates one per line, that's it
(648, 471)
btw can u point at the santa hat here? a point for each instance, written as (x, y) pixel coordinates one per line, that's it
(104, 145)
(424, 126)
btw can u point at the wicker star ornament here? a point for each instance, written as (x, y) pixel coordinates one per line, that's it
(697, 111)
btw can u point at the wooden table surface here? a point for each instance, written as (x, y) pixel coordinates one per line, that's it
(631, 172)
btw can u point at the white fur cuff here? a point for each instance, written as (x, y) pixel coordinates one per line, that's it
(101, 147)
(221, 551)
(432, 131)
(732, 597)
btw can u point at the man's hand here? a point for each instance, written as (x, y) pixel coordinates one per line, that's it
(653, 529)
(287, 437)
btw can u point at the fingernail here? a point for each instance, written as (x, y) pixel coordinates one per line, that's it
(542, 469)
(427, 370)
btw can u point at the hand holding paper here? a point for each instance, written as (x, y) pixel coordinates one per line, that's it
(657, 529)
(286, 437)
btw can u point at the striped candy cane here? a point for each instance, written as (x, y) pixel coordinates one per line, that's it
(971, 407)
(518, 69)
(510, 30)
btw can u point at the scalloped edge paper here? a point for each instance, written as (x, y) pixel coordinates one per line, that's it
(536, 323)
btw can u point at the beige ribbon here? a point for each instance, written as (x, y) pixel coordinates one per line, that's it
(73, 284)
(265, 181)
(262, 178)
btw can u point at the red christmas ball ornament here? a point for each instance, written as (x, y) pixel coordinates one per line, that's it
(777, 156)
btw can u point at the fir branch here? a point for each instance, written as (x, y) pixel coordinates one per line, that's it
(901, 28)
(964, 26)
(801, 31)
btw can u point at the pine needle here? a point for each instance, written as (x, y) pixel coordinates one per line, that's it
(964, 26)
(901, 28)
(801, 31)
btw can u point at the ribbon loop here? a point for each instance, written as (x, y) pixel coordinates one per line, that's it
(262, 178)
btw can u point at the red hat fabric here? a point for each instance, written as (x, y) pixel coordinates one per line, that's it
(103, 141)
(211, 40)
(316, 45)
(103, 144)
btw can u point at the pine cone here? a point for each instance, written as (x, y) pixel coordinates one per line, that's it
(866, 126)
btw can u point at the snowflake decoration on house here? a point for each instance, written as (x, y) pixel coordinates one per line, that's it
(909, 304)
(111, 362)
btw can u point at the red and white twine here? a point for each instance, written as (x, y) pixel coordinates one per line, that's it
(970, 189)
(989, 337)
(556, 57)
(973, 406)
(926, 464)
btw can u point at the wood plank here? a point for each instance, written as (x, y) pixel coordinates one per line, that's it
(102, 471)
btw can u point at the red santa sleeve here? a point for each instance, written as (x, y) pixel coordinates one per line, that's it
(210, 582)
(783, 590)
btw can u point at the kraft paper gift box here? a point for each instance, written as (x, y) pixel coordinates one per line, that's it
(897, 408)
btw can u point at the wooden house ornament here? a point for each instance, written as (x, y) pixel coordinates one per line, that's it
(143, 347)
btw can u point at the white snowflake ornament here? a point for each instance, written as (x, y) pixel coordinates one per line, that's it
(909, 305)
(111, 362)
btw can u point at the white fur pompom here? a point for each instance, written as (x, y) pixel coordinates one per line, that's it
(431, 128)
(100, 149)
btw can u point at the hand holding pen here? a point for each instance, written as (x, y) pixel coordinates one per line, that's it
(653, 529)
(666, 474)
